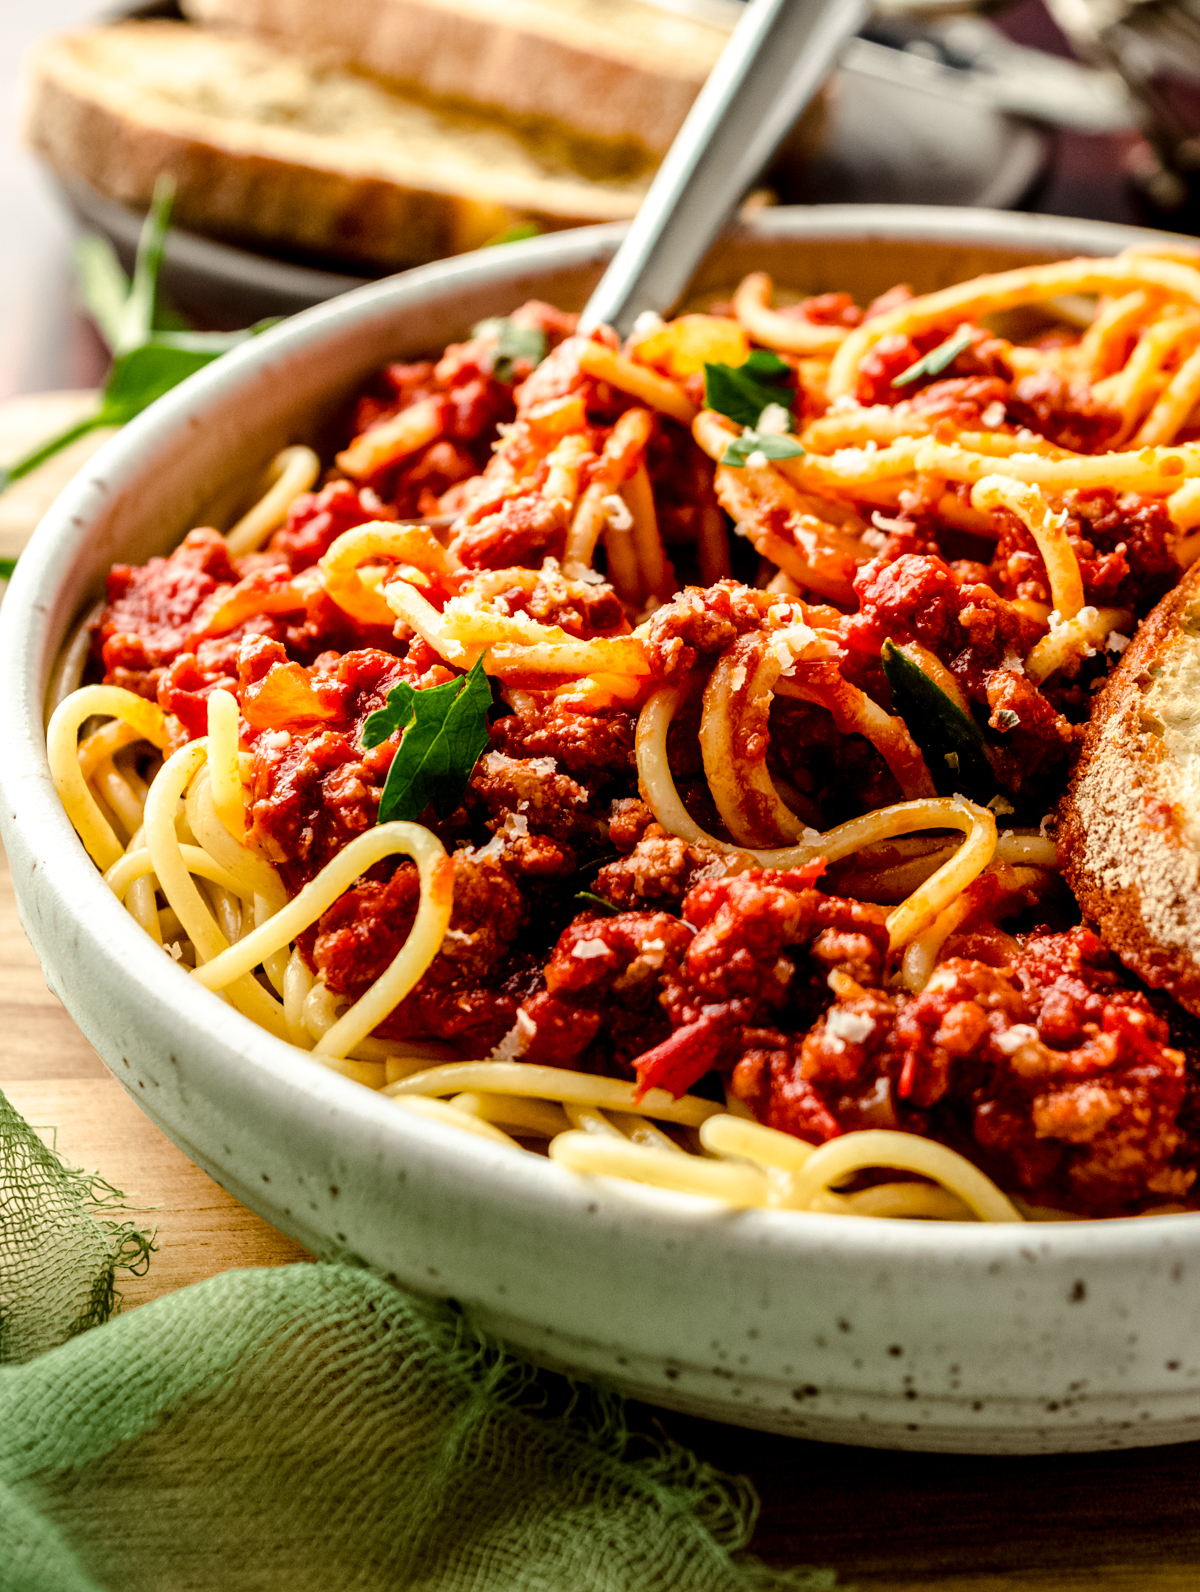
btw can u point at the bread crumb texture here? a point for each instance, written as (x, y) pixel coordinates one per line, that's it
(1131, 820)
(269, 148)
(610, 69)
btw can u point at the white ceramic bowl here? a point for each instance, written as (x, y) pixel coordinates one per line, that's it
(901, 1334)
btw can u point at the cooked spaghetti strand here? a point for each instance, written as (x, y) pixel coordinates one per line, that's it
(145, 718)
(291, 471)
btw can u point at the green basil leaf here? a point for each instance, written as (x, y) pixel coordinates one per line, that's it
(137, 315)
(513, 342)
(154, 351)
(765, 365)
(951, 742)
(7, 565)
(144, 374)
(769, 443)
(103, 285)
(739, 393)
(444, 734)
(137, 378)
(106, 292)
(936, 360)
(211, 343)
(598, 902)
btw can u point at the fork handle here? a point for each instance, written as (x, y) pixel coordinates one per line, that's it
(777, 56)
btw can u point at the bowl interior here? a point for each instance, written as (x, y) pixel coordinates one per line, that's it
(327, 1160)
(200, 461)
(195, 456)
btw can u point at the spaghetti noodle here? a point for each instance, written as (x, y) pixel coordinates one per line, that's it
(752, 893)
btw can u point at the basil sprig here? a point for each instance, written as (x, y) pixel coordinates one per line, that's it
(152, 349)
(512, 342)
(742, 392)
(951, 742)
(445, 732)
(936, 360)
(769, 443)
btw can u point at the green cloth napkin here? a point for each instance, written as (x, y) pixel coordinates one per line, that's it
(310, 1427)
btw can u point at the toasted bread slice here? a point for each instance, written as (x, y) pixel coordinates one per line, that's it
(281, 151)
(613, 70)
(1130, 830)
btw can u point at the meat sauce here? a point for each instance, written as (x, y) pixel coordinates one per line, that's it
(602, 939)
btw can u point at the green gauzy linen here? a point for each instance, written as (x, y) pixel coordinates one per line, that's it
(311, 1427)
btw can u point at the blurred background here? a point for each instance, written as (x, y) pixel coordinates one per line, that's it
(934, 103)
(42, 342)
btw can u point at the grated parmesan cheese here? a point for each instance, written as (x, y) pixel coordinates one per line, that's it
(775, 420)
(882, 523)
(516, 1042)
(493, 849)
(1015, 1038)
(589, 950)
(851, 1026)
(498, 762)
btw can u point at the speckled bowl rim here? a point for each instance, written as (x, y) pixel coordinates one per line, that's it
(247, 1062)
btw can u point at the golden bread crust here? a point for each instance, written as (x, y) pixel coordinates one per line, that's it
(1129, 831)
(612, 70)
(278, 151)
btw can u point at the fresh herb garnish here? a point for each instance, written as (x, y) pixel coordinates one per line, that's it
(951, 742)
(936, 360)
(765, 365)
(152, 351)
(517, 233)
(769, 443)
(742, 392)
(7, 565)
(513, 342)
(598, 902)
(445, 731)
